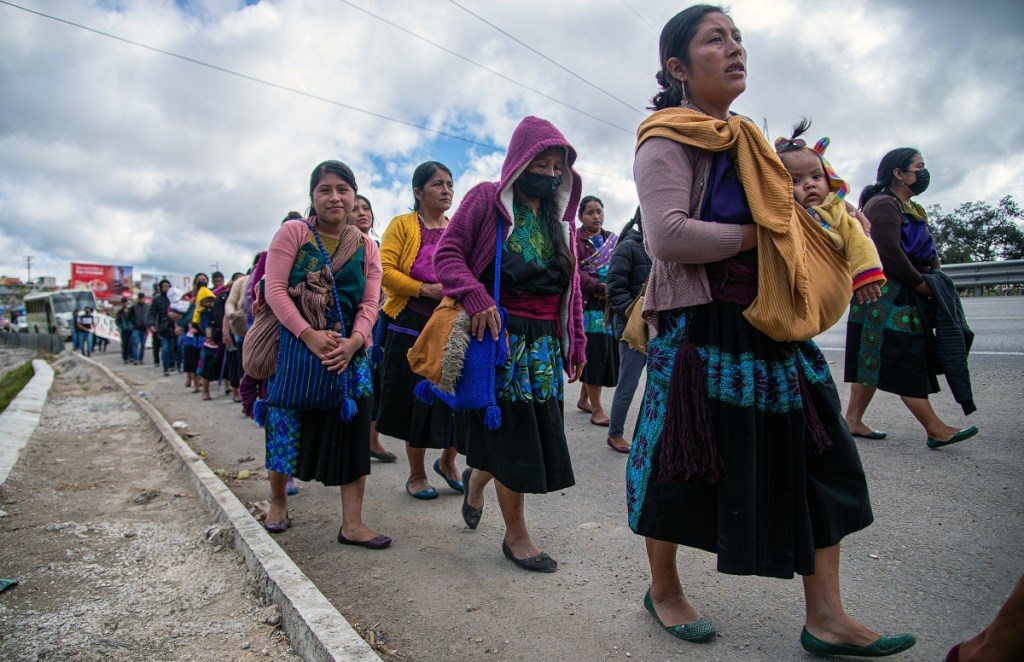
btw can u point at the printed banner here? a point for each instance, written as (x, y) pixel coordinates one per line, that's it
(107, 282)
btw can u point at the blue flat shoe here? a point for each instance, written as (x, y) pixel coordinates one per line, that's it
(698, 632)
(427, 494)
(962, 435)
(887, 644)
(454, 484)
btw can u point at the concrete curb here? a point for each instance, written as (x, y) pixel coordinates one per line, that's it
(316, 629)
(21, 418)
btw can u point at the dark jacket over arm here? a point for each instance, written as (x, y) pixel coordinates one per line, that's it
(953, 339)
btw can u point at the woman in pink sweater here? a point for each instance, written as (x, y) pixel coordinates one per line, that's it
(315, 443)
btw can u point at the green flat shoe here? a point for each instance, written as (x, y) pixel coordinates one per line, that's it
(887, 644)
(874, 434)
(962, 435)
(698, 632)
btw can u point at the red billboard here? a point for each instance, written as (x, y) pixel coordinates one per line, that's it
(107, 282)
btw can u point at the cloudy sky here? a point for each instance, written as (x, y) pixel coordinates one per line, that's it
(116, 153)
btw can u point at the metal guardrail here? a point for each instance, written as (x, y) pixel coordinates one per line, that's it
(41, 342)
(985, 274)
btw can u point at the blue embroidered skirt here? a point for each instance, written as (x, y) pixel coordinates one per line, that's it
(314, 444)
(529, 452)
(889, 345)
(777, 500)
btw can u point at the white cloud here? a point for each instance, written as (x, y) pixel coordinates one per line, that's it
(113, 153)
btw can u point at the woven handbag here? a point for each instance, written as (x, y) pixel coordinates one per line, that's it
(468, 365)
(636, 334)
(300, 380)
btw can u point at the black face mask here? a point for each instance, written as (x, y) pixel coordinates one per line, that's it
(920, 184)
(536, 185)
(201, 284)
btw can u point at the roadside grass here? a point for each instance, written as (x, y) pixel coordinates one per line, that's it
(13, 382)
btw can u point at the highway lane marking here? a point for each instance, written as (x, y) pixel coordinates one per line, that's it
(973, 352)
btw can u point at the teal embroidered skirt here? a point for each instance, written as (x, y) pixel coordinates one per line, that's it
(889, 343)
(777, 500)
(602, 367)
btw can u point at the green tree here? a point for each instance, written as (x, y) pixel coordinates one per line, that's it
(979, 232)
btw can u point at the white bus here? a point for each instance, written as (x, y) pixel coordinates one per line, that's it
(50, 312)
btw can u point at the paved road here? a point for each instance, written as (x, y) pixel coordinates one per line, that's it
(944, 551)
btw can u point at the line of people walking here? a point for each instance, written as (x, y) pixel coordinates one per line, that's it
(739, 408)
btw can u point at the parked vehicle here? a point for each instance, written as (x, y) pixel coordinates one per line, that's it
(50, 312)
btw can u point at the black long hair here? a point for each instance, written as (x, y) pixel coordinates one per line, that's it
(553, 226)
(587, 199)
(634, 223)
(899, 158)
(333, 168)
(675, 43)
(422, 175)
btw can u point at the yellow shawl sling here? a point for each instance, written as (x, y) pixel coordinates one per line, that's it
(803, 284)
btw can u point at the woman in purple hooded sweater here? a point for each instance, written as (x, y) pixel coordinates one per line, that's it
(534, 205)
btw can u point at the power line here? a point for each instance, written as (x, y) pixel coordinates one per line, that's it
(485, 68)
(261, 81)
(534, 50)
(640, 16)
(285, 88)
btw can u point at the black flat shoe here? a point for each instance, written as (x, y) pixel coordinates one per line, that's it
(470, 514)
(540, 563)
(383, 456)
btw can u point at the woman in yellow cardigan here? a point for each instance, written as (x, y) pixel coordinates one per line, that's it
(407, 257)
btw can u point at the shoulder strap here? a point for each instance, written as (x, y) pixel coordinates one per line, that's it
(497, 261)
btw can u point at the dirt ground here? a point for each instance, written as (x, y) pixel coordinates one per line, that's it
(115, 555)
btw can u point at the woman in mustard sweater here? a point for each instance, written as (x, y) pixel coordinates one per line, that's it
(407, 257)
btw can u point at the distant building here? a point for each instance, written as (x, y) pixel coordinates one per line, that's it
(46, 281)
(11, 281)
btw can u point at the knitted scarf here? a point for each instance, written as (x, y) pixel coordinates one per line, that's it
(313, 297)
(789, 305)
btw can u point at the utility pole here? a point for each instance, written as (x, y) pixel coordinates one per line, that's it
(28, 266)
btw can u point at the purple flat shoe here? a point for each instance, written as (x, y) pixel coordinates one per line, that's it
(277, 527)
(616, 448)
(380, 542)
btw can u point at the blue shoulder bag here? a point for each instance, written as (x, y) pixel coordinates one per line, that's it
(301, 380)
(475, 388)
